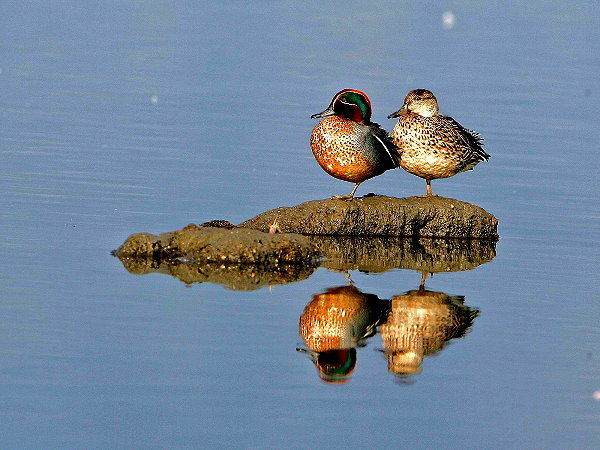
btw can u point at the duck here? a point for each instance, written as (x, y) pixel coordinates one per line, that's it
(431, 145)
(347, 145)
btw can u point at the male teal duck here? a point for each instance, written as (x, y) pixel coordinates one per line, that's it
(347, 145)
(431, 145)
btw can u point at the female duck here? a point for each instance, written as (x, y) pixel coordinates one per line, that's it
(347, 145)
(432, 145)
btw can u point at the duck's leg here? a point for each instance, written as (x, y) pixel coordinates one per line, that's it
(429, 191)
(354, 190)
(423, 278)
(347, 197)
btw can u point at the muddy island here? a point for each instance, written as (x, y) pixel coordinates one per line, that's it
(371, 234)
(377, 215)
(221, 245)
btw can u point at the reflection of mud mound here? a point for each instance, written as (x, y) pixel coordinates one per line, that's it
(377, 254)
(379, 215)
(333, 324)
(419, 324)
(237, 277)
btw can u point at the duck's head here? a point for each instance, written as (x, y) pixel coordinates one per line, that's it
(349, 104)
(418, 101)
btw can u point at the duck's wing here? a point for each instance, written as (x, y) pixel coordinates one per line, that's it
(382, 141)
(470, 140)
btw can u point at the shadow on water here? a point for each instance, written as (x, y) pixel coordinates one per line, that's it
(413, 325)
(371, 255)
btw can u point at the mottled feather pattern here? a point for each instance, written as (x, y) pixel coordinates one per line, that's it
(437, 146)
(349, 151)
(471, 140)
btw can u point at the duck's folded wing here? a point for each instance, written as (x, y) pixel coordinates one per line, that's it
(469, 139)
(382, 141)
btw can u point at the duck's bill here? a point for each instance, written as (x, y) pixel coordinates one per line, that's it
(402, 111)
(328, 112)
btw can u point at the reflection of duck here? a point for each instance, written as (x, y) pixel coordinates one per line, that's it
(419, 324)
(333, 324)
(334, 366)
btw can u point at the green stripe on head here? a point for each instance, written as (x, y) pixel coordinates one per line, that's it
(360, 101)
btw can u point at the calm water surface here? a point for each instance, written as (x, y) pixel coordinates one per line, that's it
(123, 117)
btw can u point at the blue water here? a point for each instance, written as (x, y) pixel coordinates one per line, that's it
(121, 117)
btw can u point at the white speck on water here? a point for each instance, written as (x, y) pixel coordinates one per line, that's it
(154, 99)
(448, 20)
(596, 395)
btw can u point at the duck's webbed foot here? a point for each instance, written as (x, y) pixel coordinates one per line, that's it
(342, 197)
(349, 196)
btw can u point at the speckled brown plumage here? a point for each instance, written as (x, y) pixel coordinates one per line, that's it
(432, 145)
(347, 145)
(348, 150)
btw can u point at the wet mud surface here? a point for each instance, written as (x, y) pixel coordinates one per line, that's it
(434, 217)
